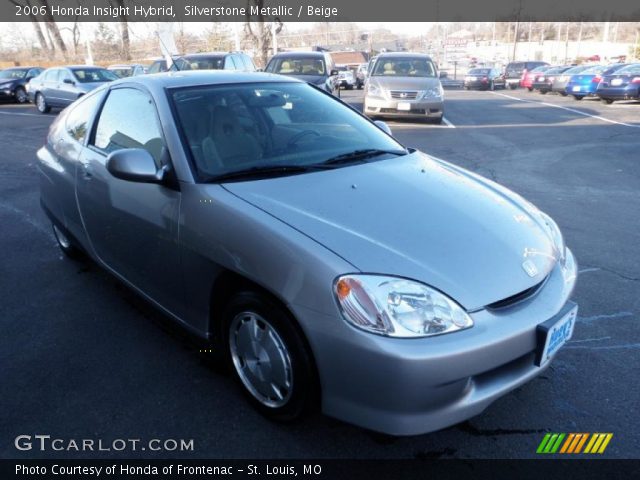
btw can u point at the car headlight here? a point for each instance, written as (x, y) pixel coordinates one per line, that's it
(397, 307)
(374, 90)
(433, 92)
(556, 235)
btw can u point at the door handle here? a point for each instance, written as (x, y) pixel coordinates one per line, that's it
(86, 171)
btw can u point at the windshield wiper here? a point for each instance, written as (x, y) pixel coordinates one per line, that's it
(361, 155)
(265, 171)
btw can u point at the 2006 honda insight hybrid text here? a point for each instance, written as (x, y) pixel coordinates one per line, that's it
(331, 265)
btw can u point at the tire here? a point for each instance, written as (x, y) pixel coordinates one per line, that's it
(41, 103)
(269, 357)
(21, 95)
(543, 92)
(513, 86)
(608, 101)
(349, 87)
(578, 97)
(564, 94)
(530, 89)
(66, 244)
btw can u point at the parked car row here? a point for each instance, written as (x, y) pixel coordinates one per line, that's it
(619, 81)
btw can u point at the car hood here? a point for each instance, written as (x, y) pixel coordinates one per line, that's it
(405, 83)
(415, 217)
(7, 83)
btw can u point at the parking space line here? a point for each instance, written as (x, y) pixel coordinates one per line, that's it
(598, 117)
(448, 123)
(26, 114)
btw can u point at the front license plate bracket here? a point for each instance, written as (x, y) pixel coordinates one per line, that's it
(554, 333)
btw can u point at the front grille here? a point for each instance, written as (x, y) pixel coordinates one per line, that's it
(518, 297)
(404, 94)
(400, 112)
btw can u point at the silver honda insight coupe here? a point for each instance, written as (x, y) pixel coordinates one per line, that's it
(327, 263)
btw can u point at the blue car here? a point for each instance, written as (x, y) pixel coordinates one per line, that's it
(586, 82)
(624, 84)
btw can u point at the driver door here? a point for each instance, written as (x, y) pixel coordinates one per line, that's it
(132, 226)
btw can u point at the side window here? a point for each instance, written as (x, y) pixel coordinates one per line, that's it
(64, 75)
(248, 63)
(229, 64)
(81, 113)
(129, 120)
(51, 76)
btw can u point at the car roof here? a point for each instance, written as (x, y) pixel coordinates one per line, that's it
(18, 68)
(403, 54)
(124, 65)
(194, 78)
(299, 54)
(204, 54)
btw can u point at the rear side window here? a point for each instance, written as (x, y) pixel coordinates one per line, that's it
(248, 63)
(51, 75)
(229, 63)
(80, 116)
(129, 120)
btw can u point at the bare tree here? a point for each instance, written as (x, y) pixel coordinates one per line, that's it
(54, 31)
(124, 30)
(36, 26)
(260, 31)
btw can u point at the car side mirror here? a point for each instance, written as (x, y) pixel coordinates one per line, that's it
(384, 127)
(333, 73)
(69, 81)
(134, 165)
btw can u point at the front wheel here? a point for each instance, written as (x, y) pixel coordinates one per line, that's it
(41, 104)
(269, 357)
(608, 101)
(578, 97)
(530, 89)
(21, 95)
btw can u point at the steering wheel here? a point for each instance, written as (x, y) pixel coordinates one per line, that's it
(293, 140)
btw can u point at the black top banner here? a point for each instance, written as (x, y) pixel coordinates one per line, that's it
(318, 10)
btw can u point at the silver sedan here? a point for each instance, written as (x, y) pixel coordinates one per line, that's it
(326, 263)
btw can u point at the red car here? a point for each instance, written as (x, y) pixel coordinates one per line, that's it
(528, 77)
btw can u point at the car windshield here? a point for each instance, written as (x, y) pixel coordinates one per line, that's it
(13, 74)
(200, 63)
(479, 71)
(280, 127)
(629, 69)
(574, 70)
(297, 66)
(88, 75)
(122, 72)
(404, 67)
(555, 70)
(594, 70)
(542, 68)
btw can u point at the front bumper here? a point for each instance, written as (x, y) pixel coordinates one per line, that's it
(381, 107)
(7, 94)
(416, 386)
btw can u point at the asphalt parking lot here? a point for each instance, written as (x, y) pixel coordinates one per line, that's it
(82, 357)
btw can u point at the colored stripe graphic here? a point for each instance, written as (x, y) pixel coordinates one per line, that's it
(550, 443)
(573, 443)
